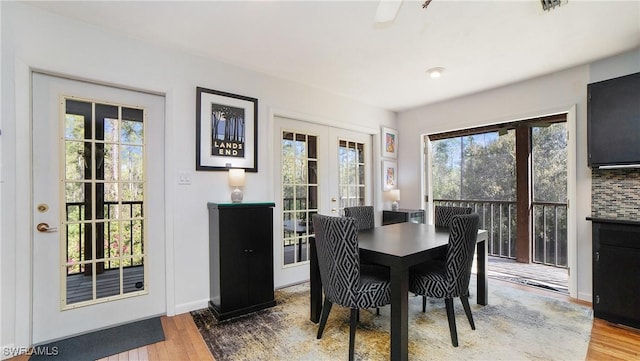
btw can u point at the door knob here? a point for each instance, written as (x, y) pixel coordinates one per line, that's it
(44, 228)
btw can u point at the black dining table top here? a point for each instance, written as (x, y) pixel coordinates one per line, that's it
(401, 239)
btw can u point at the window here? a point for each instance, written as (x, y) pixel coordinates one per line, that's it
(103, 188)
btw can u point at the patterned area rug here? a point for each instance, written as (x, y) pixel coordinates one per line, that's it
(516, 325)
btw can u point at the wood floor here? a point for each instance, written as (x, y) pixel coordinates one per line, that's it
(183, 341)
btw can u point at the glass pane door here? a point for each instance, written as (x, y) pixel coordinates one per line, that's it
(299, 194)
(318, 170)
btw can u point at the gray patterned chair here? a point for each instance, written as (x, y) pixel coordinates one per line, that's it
(343, 281)
(364, 215)
(365, 219)
(443, 215)
(450, 279)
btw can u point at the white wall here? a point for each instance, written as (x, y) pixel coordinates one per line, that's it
(35, 39)
(534, 97)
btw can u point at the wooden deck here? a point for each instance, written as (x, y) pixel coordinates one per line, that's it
(79, 286)
(529, 274)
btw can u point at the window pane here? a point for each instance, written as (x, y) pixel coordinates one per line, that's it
(132, 132)
(131, 192)
(110, 159)
(287, 198)
(74, 127)
(111, 130)
(131, 163)
(313, 172)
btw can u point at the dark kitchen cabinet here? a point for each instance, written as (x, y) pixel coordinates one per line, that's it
(616, 271)
(613, 126)
(240, 258)
(403, 215)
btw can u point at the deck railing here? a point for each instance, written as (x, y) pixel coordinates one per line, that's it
(128, 207)
(549, 228)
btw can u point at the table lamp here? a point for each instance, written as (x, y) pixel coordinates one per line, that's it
(394, 197)
(236, 179)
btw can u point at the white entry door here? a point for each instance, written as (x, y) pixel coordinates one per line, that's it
(98, 207)
(319, 169)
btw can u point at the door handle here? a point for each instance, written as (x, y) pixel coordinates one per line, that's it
(44, 228)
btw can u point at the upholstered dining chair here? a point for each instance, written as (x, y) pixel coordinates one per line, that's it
(343, 282)
(451, 278)
(364, 215)
(443, 215)
(365, 219)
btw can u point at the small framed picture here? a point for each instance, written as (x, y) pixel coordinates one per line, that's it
(389, 175)
(389, 140)
(226, 131)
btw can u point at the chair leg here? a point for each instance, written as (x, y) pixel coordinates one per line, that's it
(326, 308)
(467, 310)
(352, 332)
(452, 321)
(424, 303)
(378, 311)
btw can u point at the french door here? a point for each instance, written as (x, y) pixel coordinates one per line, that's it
(98, 200)
(320, 169)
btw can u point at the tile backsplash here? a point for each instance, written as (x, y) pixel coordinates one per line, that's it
(615, 194)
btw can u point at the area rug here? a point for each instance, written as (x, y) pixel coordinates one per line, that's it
(516, 325)
(103, 343)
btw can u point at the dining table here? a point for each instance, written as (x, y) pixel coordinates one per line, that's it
(400, 246)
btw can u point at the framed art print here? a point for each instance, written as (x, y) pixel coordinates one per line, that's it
(226, 131)
(389, 142)
(389, 175)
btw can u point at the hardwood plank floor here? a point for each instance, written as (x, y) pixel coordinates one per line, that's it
(611, 342)
(183, 341)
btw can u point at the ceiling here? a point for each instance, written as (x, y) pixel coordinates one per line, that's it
(336, 46)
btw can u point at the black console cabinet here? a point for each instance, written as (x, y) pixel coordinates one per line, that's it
(403, 215)
(616, 271)
(240, 258)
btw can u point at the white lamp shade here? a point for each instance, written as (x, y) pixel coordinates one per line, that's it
(236, 177)
(394, 195)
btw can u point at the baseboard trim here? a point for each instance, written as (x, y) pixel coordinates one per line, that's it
(585, 296)
(191, 306)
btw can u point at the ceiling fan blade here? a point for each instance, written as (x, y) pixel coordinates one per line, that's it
(387, 10)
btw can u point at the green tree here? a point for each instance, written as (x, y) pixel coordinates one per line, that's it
(550, 163)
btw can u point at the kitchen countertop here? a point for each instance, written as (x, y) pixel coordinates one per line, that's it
(613, 221)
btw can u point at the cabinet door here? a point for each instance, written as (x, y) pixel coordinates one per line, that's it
(260, 267)
(617, 282)
(392, 217)
(613, 129)
(233, 258)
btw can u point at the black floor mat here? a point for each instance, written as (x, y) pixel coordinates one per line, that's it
(99, 344)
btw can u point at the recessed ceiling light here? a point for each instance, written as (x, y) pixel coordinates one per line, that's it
(435, 72)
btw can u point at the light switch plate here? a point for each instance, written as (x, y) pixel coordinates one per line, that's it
(184, 178)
